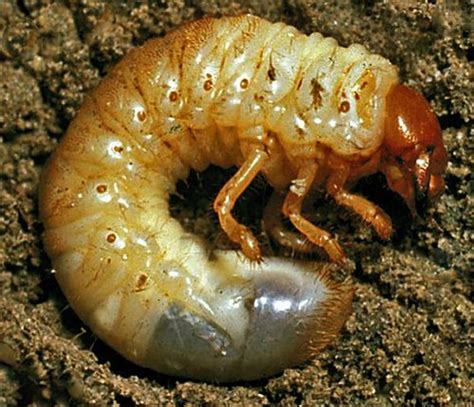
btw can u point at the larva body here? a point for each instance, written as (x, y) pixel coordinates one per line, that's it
(232, 91)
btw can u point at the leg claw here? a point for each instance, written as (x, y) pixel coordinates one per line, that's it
(249, 245)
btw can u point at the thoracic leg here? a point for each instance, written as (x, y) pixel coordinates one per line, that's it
(272, 223)
(227, 197)
(368, 211)
(292, 209)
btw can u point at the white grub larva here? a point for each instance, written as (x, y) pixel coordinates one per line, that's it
(236, 91)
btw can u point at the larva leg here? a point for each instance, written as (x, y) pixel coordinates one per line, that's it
(292, 209)
(370, 212)
(272, 223)
(228, 195)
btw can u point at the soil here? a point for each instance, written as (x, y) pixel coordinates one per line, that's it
(407, 341)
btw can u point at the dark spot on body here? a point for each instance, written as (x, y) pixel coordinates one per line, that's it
(101, 188)
(173, 96)
(344, 106)
(141, 282)
(208, 85)
(301, 133)
(111, 238)
(271, 73)
(141, 115)
(175, 128)
(316, 90)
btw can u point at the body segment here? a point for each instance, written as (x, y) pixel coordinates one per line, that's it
(237, 91)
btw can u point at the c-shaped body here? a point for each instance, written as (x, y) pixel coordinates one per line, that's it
(236, 91)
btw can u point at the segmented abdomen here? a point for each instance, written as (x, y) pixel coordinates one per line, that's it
(222, 83)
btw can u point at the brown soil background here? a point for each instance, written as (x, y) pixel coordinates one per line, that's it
(408, 340)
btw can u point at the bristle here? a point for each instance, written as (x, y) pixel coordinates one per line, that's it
(328, 319)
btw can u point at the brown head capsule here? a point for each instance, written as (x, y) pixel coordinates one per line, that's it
(416, 157)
